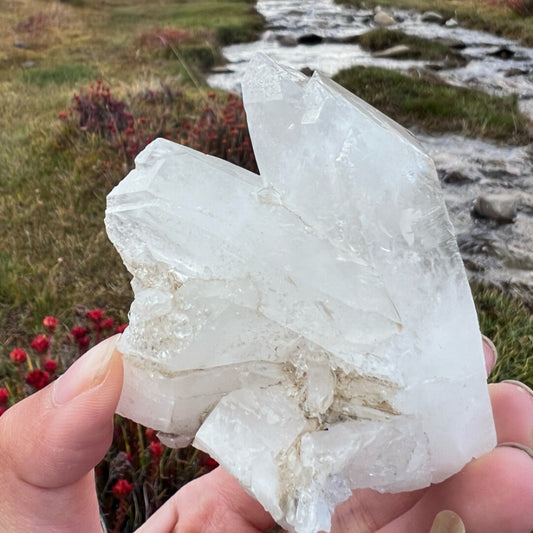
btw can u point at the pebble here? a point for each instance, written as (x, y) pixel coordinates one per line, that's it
(501, 208)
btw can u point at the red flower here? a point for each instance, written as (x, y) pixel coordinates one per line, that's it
(38, 378)
(150, 434)
(210, 463)
(50, 366)
(83, 342)
(18, 356)
(4, 395)
(50, 323)
(107, 323)
(62, 115)
(3, 409)
(95, 315)
(157, 449)
(121, 328)
(122, 488)
(41, 343)
(78, 331)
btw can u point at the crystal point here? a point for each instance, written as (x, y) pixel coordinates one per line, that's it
(312, 328)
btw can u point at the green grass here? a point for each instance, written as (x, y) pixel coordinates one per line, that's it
(53, 183)
(509, 323)
(60, 74)
(486, 15)
(431, 106)
(419, 48)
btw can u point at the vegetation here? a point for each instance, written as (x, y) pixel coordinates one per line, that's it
(434, 106)
(508, 18)
(56, 172)
(419, 48)
(509, 323)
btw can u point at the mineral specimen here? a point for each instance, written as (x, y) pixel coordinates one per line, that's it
(312, 328)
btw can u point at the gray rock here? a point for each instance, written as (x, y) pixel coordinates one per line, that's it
(287, 40)
(451, 23)
(28, 64)
(450, 42)
(456, 177)
(400, 50)
(311, 38)
(501, 208)
(432, 16)
(381, 18)
(20, 44)
(502, 52)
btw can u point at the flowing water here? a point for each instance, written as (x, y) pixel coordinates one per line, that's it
(492, 251)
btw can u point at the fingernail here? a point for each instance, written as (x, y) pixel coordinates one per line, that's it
(520, 385)
(518, 446)
(447, 522)
(491, 351)
(87, 372)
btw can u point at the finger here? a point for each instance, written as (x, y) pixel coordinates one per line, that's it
(491, 494)
(51, 441)
(214, 502)
(512, 406)
(490, 352)
(368, 510)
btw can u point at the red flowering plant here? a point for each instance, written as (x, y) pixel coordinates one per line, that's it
(138, 474)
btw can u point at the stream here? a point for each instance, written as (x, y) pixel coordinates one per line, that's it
(312, 35)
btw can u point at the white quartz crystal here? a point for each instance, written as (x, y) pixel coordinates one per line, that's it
(312, 329)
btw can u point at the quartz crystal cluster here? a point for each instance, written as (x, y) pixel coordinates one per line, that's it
(311, 328)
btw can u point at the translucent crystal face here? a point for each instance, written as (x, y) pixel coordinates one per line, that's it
(312, 329)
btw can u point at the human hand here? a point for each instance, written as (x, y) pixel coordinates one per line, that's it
(492, 494)
(51, 441)
(47, 456)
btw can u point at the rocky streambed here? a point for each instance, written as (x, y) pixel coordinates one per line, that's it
(488, 187)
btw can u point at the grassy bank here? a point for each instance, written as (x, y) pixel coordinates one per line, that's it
(423, 102)
(54, 252)
(492, 16)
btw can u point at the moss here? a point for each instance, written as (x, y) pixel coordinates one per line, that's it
(434, 106)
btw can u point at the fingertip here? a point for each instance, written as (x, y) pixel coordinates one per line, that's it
(490, 352)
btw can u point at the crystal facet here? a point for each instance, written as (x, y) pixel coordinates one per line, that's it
(312, 329)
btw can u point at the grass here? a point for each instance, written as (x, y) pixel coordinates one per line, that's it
(419, 48)
(488, 15)
(434, 106)
(53, 185)
(509, 323)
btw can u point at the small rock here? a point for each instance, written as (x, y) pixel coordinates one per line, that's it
(307, 71)
(287, 40)
(20, 44)
(501, 208)
(28, 64)
(432, 16)
(311, 38)
(516, 72)
(502, 52)
(451, 23)
(400, 50)
(223, 69)
(381, 18)
(455, 177)
(456, 44)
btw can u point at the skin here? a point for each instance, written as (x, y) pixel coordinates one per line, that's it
(47, 456)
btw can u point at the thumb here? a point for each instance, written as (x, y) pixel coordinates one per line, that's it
(50, 441)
